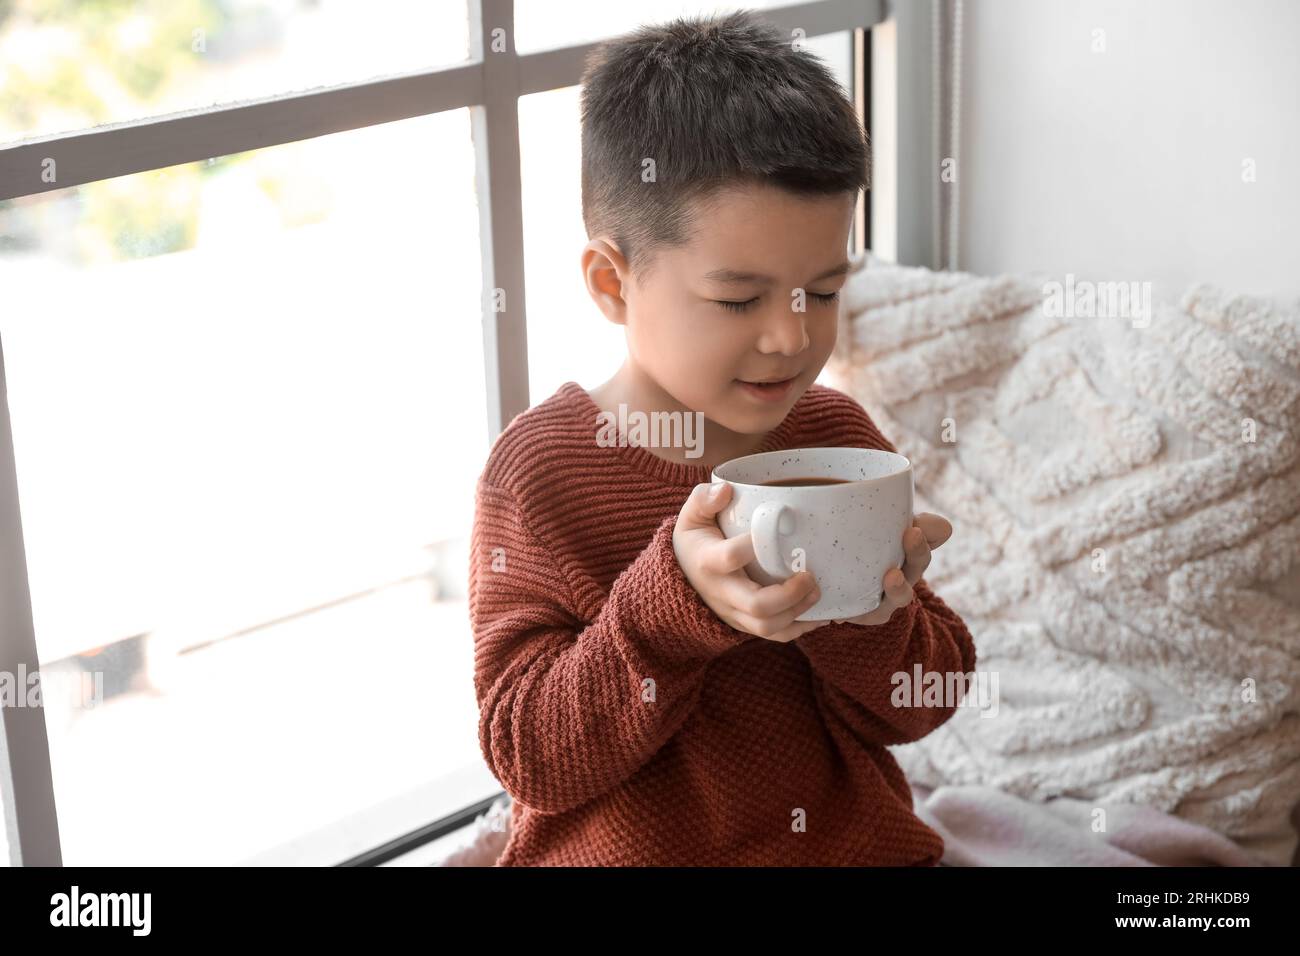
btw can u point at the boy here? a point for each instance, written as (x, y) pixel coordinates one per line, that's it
(641, 699)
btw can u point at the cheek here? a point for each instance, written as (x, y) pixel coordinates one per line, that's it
(832, 333)
(823, 334)
(717, 350)
(662, 339)
(687, 338)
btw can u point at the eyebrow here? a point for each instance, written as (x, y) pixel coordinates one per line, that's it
(738, 276)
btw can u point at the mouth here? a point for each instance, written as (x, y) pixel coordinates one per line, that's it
(771, 391)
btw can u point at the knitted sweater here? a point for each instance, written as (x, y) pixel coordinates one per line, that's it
(631, 725)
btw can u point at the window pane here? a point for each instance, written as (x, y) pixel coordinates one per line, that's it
(249, 412)
(568, 336)
(538, 27)
(66, 66)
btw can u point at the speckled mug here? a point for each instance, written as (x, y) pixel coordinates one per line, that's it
(848, 535)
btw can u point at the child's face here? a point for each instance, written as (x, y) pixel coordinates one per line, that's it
(698, 350)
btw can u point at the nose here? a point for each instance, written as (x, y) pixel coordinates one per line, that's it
(784, 331)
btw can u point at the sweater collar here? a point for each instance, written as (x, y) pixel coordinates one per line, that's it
(671, 472)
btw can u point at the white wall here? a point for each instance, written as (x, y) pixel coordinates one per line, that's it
(1127, 164)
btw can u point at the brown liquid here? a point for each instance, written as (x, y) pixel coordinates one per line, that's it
(801, 482)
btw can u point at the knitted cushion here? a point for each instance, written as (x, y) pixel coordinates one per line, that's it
(1125, 497)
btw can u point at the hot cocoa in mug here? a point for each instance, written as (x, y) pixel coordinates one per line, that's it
(839, 513)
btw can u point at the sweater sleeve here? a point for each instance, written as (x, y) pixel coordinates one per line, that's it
(853, 668)
(569, 709)
(853, 665)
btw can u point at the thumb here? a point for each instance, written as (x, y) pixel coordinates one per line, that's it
(707, 500)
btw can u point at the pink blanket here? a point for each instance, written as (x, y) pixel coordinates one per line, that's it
(984, 826)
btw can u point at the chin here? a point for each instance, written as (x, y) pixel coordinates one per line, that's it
(744, 416)
(756, 421)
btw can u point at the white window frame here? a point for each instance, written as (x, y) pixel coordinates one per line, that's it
(490, 86)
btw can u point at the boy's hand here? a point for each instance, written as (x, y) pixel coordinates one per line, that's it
(715, 567)
(927, 532)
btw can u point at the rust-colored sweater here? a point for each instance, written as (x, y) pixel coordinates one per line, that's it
(631, 725)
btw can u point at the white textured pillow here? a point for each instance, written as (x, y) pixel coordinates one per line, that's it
(1126, 558)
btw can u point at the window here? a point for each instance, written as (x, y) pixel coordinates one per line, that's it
(247, 398)
(585, 21)
(69, 66)
(233, 387)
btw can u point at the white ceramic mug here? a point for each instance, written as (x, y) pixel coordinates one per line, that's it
(848, 535)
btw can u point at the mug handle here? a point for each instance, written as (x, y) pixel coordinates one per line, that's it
(770, 520)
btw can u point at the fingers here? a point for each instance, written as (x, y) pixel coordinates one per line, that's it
(898, 590)
(898, 593)
(916, 554)
(928, 531)
(731, 554)
(782, 626)
(774, 599)
(703, 505)
(936, 527)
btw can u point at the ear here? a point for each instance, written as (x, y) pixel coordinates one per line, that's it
(605, 271)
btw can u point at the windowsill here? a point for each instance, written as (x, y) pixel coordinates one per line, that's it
(384, 822)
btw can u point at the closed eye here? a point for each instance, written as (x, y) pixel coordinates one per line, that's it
(731, 305)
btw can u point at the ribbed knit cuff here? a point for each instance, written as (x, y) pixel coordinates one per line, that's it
(661, 603)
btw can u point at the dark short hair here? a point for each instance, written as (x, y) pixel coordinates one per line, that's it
(716, 102)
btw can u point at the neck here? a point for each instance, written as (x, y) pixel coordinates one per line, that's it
(635, 390)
